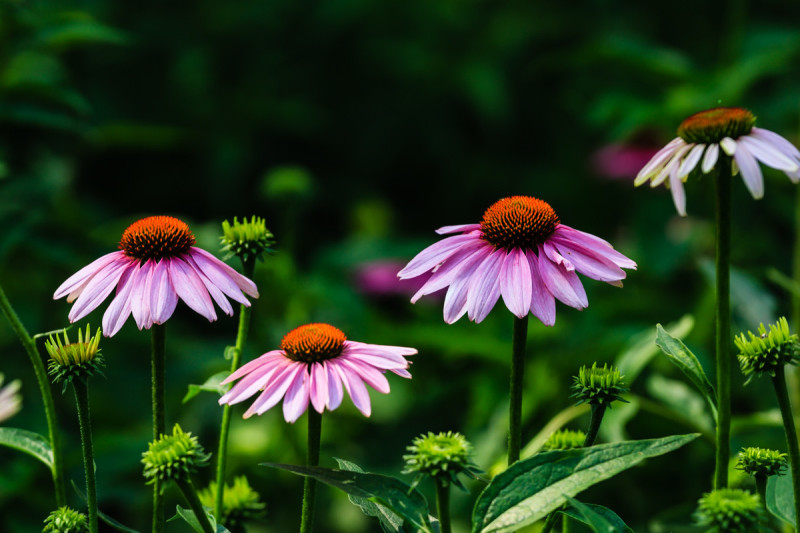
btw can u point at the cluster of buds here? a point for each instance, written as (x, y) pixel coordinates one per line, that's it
(730, 511)
(66, 520)
(240, 503)
(441, 456)
(564, 439)
(173, 457)
(769, 350)
(598, 386)
(762, 462)
(246, 240)
(74, 360)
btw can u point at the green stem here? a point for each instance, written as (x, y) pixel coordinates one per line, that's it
(598, 410)
(158, 345)
(443, 504)
(29, 344)
(312, 459)
(549, 522)
(81, 389)
(761, 488)
(779, 382)
(723, 321)
(187, 488)
(248, 267)
(520, 338)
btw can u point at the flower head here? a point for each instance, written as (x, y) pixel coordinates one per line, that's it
(702, 135)
(157, 264)
(10, 400)
(240, 503)
(764, 353)
(66, 520)
(441, 456)
(74, 360)
(565, 439)
(520, 251)
(730, 511)
(173, 457)
(313, 363)
(598, 386)
(246, 240)
(762, 462)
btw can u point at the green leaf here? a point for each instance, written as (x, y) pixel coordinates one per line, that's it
(212, 384)
(390, 522)
(780, 498)
(190, 518)
(530, 489)
(28, 442)
(600, 519)
(385, 490)
(641, 350)
(684, 402)
(683, 358)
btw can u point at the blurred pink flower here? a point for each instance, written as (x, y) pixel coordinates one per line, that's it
(379, 278)
(621, 161)
(313, 363)
(519, 251)
(157, 264)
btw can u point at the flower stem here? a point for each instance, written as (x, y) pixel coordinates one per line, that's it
(248, 267)
(312, 459)
(158, 345)
(443, 504)
(598, 410)
(81, 389)
(187, 488)
(779, 382)
(723, 321)
(520, 338)
(761, 488)
(57, 470)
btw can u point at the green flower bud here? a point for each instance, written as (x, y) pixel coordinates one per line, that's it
(763, 354)
(762, 462)
(246, 240)
(74, 360)
(730, 511)
(442, 456)
(66, 520)
(565, 439)
(240, 503)
(173, 457)
(598, 386)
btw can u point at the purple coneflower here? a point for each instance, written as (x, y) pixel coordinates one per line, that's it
(519, 251)
(156, 265)
(699, 140)
(313, 363)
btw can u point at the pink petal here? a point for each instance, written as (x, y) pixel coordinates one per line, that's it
(379, 349)
(296, 400)
(355, 388)
(335, 392)
(551, 252)
(256, 380)
(461, 228)
(217, 295)
(751, 172)
(591, 244)
(562, 283)
(776, 140)
(515, 283)
(250, 366)
(543, 304)
(655, 163)
(588, 263)
(120, 307)
(484, 289)
(446, 273)
(678, 194)
(81, 277)
(163, 298)
(318, 386)
(710, 159)
(691, 160)
(96, 290)
(224, 277)
(768, 154)
(434, 254)
(190, 288)
(140, 298)
(275, 389)
(372, 376)
(455, 301)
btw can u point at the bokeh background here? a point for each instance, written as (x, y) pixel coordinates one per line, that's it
(356, 128)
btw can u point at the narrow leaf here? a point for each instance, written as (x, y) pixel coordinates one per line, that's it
(532, 488)
(385, 490)
(212, 384)
(780, 498)
(600, 519)
(28, 442)
(683, 358)
(190, 518)
(390, 522)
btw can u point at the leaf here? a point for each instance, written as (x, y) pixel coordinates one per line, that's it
(780, 498)
(682, 400)
(101, 515)
(389, 521)
(683, 358)
(641, 350)
(385, 490)
(28, 442)
(212, 384)
(600, 519)
(532, 488)
(190, 518)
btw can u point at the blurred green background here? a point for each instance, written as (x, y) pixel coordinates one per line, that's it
(356, 128)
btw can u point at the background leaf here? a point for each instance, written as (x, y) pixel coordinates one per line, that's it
(780, 498)
(600, 519)
(390, 522)
(28, 442)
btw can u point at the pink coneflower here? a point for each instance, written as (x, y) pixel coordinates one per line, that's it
(519, 251)
(698, 142)
(312, 364)
(157, 264)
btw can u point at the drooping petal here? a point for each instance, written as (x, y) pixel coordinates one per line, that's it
(335, 392)
(460, 228)
(216, 294)
(355, 388)
(654, 165)
(295, 402)
(671, 166)
(251, 366)
(224, 277)
(592, 244)
(81, 277)
(543, 304)
(562, 283)
(275, 389)
(589, 263)
(97, 289)
(678, 194)
(190, 289)
(768, 154)
(318, 386)
(140, 298)
(446, 273)
(163, 298)
(710, 159)
(455, 301)
(433, 255)
(515, 283)
(728, 145)
(773, 138)
(691, 160)
(751, 172)
(255, 381)
(120, 307)
(484, 289)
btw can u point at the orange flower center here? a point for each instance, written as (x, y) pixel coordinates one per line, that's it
(156, 238)
(313, 343)
(713, 125)
(519, 222)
